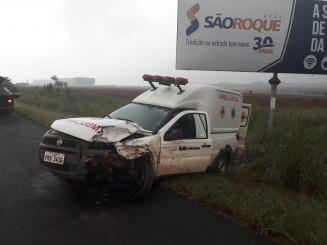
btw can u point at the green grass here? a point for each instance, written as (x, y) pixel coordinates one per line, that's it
(292, 154)
(278, 186)
(288, 216)
(45, 117)
(43, 108)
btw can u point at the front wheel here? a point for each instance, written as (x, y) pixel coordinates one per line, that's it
(139, 185)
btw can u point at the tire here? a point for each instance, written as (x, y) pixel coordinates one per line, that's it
(139, 186)
(220, 165)
(223, 164)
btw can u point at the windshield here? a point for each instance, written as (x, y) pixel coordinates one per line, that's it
(147, 116)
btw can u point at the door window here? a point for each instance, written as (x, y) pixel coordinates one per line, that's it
(189, 126)
(201, 126)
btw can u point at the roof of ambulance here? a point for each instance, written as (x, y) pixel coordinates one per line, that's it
(193, 95)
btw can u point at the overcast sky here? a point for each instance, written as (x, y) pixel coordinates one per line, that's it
(113, 41)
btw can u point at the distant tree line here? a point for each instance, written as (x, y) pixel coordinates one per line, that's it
(6, 82)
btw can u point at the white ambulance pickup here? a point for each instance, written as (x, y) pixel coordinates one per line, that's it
(173, 128)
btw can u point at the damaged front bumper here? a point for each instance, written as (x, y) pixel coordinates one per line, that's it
(85, 160)
(93, 148)
(73, 166)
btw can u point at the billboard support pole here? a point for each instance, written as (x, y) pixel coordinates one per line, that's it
(274, 81)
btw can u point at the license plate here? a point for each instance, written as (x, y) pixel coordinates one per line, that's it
(53, 157)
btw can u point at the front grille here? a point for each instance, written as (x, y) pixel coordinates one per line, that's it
(101, 146)
(65, 143)
(70, 146)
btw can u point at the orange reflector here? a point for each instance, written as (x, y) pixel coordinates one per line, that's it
(9, 101)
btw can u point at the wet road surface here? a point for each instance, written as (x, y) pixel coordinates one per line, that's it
(38, 208)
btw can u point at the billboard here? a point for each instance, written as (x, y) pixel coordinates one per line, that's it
(283, 36)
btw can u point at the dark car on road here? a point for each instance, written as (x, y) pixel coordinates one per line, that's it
(7, 99)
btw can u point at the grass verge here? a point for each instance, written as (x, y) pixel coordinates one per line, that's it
(42, 116)
(286, 216)
(44, 108)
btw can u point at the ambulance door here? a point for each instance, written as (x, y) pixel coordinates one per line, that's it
(185, 144)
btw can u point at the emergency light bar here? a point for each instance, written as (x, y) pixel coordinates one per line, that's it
(158, 79)
(168, 81)
(181, 81)
(149, 79)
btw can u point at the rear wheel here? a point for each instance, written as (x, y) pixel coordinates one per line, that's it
(223, 164)
(220, 165)
(139, 185)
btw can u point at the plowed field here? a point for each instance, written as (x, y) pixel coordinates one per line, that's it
(254, 99)
(283, 101)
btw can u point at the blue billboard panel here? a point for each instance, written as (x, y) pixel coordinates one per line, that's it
(283, 36)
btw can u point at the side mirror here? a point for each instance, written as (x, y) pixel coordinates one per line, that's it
(16, 95)
(173, 134)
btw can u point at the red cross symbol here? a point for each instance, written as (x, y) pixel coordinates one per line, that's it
(222, 111)
(243, 117)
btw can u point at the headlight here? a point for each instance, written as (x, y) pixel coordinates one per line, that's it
(53, 132)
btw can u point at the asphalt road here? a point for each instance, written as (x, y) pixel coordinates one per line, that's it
(38, 208)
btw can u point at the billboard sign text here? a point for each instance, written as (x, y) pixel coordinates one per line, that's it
(284, 36)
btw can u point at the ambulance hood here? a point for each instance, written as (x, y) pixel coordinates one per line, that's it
(95, 129)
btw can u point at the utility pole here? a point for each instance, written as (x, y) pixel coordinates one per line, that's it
(274, 81)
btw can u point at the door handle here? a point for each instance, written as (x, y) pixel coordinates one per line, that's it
(205, 145)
